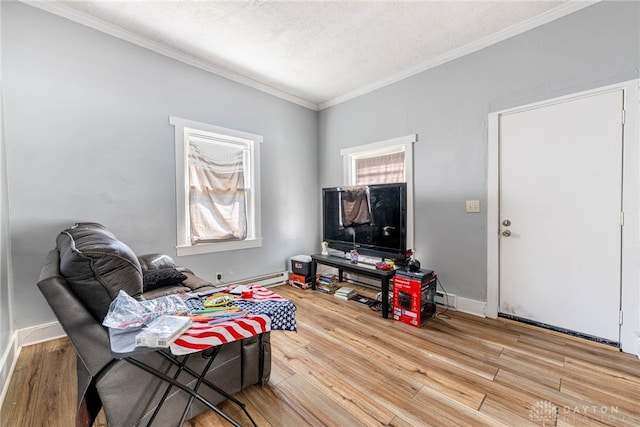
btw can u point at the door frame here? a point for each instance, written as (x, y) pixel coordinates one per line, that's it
(630, 264)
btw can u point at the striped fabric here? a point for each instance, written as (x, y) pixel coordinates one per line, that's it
(202, 336)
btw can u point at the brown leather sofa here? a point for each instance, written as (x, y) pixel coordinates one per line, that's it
(82, 275)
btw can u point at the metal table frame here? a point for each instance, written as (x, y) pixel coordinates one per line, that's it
(368, 270)
(128, 353)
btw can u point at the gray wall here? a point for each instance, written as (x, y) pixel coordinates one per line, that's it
(88, 139)
(448, 107)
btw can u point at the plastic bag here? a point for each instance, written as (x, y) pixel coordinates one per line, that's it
(127, 312)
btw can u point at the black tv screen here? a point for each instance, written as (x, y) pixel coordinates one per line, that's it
(369, 218)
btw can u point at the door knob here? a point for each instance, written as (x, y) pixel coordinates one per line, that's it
(506, 223)
(506, 233)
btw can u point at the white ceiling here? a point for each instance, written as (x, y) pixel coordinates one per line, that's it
(314, 53)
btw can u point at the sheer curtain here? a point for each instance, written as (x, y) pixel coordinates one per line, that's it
(385, 168)
(217, 195)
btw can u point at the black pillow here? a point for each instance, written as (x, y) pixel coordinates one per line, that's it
(157, 278)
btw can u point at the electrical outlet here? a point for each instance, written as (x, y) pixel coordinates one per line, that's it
(218, 278)
(473, 206)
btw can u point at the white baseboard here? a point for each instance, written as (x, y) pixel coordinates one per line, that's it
(40, 333)
(8, 364)
(472, 306)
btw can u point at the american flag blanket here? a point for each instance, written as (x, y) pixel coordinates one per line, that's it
(202, 336)
(269, 311)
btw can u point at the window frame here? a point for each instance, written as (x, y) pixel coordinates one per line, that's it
(402, 143)
(183, 127)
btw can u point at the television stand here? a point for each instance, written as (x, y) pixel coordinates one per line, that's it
(368, 270)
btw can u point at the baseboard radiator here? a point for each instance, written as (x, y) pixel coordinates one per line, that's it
(267, 280)
(446, 300)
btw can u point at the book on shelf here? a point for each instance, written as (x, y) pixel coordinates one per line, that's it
(163, 331)
(328, 278)
(327, 283)
(345, 292)
(326, 288)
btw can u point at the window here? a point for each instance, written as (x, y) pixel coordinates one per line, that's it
(379, 168)
(217, 188)
(383, 162)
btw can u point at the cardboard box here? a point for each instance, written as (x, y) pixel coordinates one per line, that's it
(299, 281)
(414, 296)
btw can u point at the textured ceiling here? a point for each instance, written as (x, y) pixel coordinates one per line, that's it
(316, 53)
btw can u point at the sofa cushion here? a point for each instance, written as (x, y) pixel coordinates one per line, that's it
(97, 266)
(158, 278)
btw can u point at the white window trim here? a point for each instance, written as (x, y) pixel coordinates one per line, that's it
(402, 143)
(184, 246)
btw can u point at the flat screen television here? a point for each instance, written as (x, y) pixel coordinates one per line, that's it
(371, 219)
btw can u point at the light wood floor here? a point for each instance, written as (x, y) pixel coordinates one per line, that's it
(346, 366)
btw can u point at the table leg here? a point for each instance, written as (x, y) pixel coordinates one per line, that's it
(385, 298)
(314, 269)
(197, 386)
(181, 367)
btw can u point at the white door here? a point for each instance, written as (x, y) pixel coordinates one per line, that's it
(561, 195)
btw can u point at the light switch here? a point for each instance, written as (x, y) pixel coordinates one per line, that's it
(473, 206)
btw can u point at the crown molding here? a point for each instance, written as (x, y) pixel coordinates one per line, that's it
(57, 8)
(552, 15)
(67, 12)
